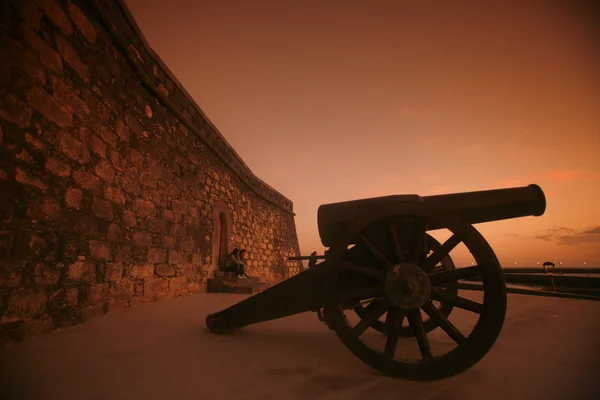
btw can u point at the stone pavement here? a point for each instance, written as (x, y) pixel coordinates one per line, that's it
(549, 349)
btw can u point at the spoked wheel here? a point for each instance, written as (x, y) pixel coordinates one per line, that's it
(401, 286)
(429, 324)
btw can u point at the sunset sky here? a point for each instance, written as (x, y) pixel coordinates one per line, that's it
(330, 101)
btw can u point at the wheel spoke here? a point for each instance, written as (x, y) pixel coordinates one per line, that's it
(371, 314)
(370, 272)
(437, 316)
(454, 275)
(419, 238)
(457, 301)
(437, 270)
(375, 252)
(441, 252)
(361, 293)
(393, 321)
(416, 323)
(399, 257)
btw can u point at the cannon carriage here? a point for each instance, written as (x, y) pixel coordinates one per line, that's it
(385, 273)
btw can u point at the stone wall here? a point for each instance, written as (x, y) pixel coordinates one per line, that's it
(115, 187)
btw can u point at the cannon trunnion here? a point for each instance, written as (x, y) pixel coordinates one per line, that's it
(384, 277)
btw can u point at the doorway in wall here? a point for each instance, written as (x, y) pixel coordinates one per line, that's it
(223, 250)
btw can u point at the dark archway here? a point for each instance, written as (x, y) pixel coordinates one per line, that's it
(223, 239)
(221, 233)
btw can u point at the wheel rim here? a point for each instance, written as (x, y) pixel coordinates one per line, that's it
(445, 264)
(469, 349)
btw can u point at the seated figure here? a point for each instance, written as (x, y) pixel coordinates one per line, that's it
(235, 263)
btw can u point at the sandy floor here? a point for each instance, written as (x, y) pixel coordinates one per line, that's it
(549, 349)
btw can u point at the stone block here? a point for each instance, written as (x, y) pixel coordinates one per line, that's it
(50, 58)
(177, 257)
(124, 254)
(165, 270)
(82, 23)
(113, 271)
(129, 218)
(157, 225)
(15, 111)
(73, 198)
(169, 241)
(142, 271)
(115, 233)
(11, 273)
(25, 304)
(87, 180)
(71, 297)
(98, 294)
(115, 195)
(156, 255)
(44, 274)
(179, 206)
(100, 250)
(124, 289)
(85, 225)
(58, 167)
(30, 13)
(144, 207)
(26, 178)
(142, 238)
(105, 171)
(94, 144)
(53, 111)
(84, 271)
(69, 99)
(154, 286)
(56, 15)
(102, 209)
(71, 57)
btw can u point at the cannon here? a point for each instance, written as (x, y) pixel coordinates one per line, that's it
(385, 274)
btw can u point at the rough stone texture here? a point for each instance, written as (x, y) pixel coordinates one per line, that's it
(115, 186)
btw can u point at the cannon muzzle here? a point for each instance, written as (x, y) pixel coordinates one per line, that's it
(471, 207)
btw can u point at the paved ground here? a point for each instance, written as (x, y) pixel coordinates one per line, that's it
(549, 349)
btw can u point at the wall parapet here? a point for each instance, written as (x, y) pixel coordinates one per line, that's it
(157, 77)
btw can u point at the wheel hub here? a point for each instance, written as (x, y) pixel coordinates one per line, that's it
(407, 286)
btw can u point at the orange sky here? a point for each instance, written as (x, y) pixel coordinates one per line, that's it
(335, 100)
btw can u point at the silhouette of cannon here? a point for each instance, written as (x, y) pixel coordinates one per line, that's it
(384, 271)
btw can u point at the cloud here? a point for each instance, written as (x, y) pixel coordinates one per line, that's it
(593, 231)
(578, 239)
(561, 229)
(567, 236)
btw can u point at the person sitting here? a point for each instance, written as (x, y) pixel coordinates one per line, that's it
(312, 262)
(235, 263)
(242, 257)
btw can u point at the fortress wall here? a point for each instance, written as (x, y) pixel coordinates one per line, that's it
(115, 188)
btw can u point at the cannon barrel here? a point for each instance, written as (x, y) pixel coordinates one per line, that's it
(472, 207)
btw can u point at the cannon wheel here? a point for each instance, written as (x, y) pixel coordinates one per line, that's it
(445, 308)
(388, 286)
